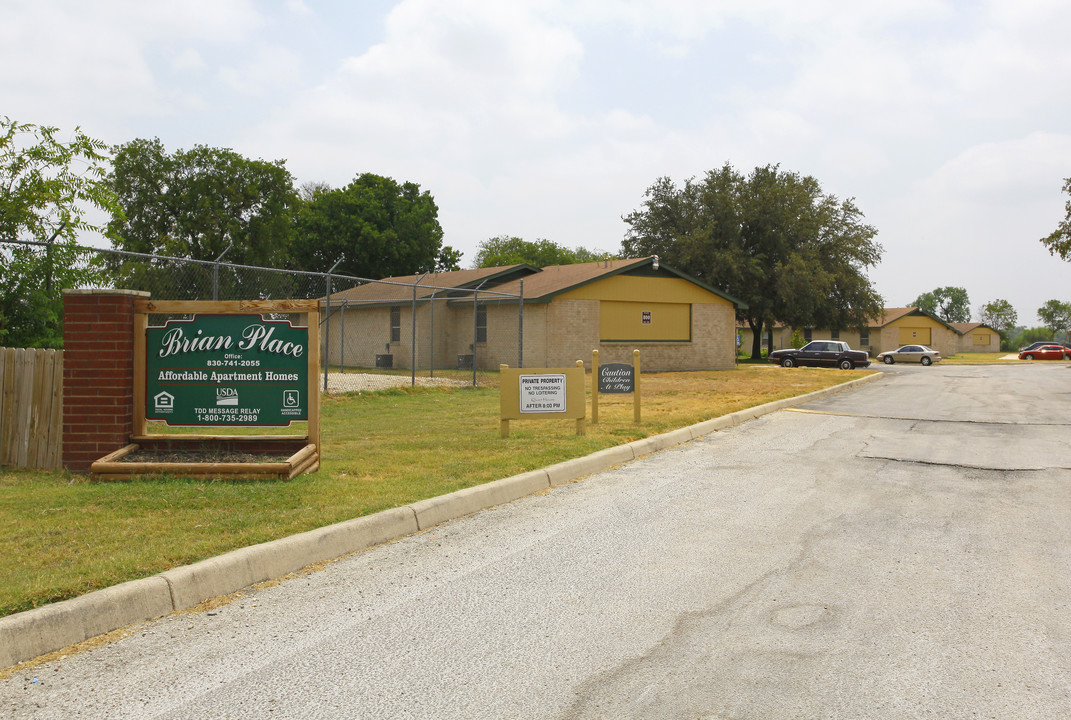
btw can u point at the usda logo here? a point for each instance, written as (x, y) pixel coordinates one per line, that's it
(227, 397)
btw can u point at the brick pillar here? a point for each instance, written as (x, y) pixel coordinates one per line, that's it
(98, 373)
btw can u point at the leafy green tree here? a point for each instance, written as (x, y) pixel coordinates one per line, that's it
(1059, 242)
(951, 304)
(47, 185)
(1001, 316)
(773, 239)
(201, 204)
(1056, 315)
(376, 226)
(505, 250)
(1025, 336)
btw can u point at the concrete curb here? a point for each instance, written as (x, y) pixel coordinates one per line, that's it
(570, 470)
(469, 500)
(230, 572)
(30, 634)
(26, 635)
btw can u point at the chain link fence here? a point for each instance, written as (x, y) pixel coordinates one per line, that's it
(375, 334)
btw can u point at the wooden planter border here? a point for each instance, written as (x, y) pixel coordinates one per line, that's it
(111, 467)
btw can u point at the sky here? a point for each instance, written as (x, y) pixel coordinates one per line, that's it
(948, 122)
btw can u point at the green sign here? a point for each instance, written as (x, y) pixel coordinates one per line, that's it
(227, 370)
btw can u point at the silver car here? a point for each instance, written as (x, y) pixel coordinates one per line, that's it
(911, 353)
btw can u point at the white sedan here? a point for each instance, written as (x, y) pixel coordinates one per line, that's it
(911, 353)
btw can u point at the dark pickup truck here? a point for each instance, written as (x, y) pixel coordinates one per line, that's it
(822, 353)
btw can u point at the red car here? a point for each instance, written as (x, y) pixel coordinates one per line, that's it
(1046, 352)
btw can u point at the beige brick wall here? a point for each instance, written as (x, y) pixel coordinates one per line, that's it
(572, 331)
(535, 335)
(360, 334)
(967, 344)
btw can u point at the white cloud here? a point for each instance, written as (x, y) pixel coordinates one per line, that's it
(187, 60)
(267, 69)
(975, 222)
(549, 118)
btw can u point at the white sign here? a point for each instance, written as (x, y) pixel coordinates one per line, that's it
(542, 393)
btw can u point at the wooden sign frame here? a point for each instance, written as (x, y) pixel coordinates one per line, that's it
(510, 403)
(304, 450)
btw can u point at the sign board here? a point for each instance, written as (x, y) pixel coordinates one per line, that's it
(542, 394)
(616, 378)
(645, 317)
(216, 370)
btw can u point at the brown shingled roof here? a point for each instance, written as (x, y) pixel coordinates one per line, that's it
(397, 289)
(539, 285)
(889, 315)
(964, 328)
(556, 279)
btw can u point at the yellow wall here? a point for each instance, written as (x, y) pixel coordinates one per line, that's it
(624, 321)
(621, 316)
(915, 335)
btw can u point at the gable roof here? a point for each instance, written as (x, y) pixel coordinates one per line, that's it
(539, 285)
(400, 289)
(964, 328)
(891, 315)
(557, 279)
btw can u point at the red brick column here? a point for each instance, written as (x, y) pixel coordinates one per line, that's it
(98, 373)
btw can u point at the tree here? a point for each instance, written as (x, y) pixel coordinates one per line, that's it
(1059, 242)
(772, 239)
(202, 204)
(951, 304)
(376, 227)
(1001, 316)
(195, 203)
(1056, 315)
(505, 250)
(47, 185)
(1023, 336)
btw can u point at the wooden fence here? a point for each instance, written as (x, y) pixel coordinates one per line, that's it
(31, 408)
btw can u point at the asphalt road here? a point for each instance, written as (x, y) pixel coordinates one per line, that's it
(898, 551)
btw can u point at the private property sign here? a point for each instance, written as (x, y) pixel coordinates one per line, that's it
(542, 393)
(227, 370)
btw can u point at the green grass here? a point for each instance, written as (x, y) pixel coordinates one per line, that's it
(61, 535)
